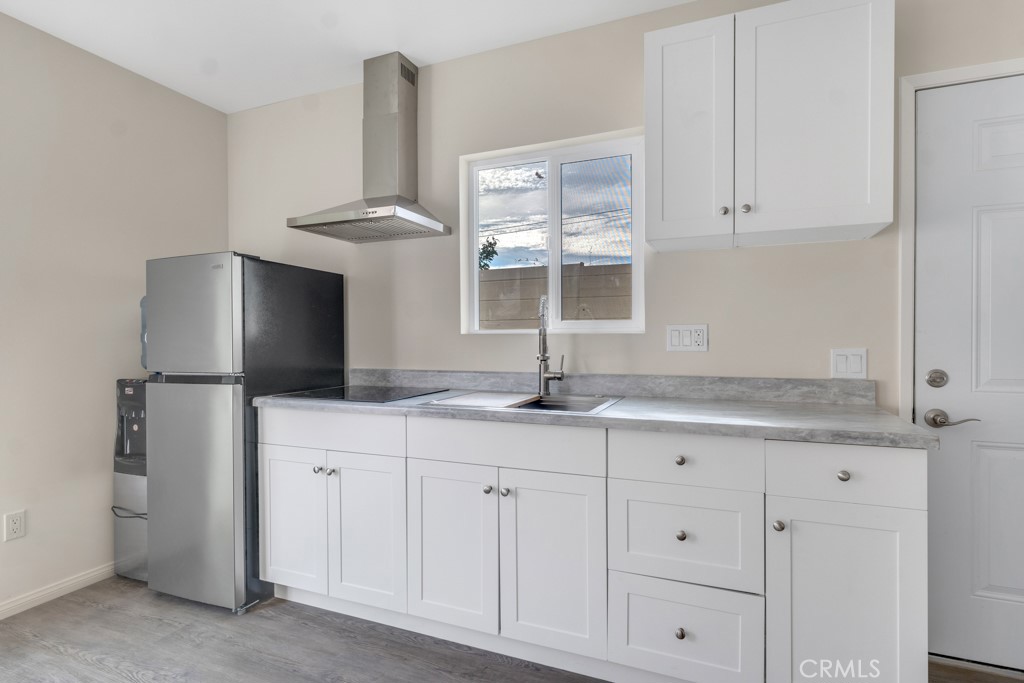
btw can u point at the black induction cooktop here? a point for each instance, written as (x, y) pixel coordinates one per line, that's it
(369, 394)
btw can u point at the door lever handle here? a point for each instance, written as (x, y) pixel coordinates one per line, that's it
(936, 417)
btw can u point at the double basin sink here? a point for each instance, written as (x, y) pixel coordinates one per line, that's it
(574, 405)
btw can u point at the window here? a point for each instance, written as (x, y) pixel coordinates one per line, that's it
(563, 220)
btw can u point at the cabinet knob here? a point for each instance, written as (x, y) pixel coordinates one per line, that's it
(505, 491)
(488, 488)
(779, 525)
(843, 475)
(680, 633)
(680, 535)
(317, 469)
(745, 208)
(330, 471)
(680, 459)
(724, 211)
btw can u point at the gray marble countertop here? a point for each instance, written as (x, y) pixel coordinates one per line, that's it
(861, 425)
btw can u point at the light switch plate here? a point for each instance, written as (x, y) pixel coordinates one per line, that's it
(686, 337)
(849, 363)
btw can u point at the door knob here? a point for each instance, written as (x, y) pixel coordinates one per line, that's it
(680, 633)
(330, 471)
(745, 208)
(724, 211)
(681, 535)
(936, 417)
(779, 525)
(504, 491)
(317, 469)
(488, 488)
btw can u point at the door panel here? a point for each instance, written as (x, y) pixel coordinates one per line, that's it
(453, 543)
(194, 447)
(366, 529)
(814, 103)
(293, 522)
(970, 324)
(689, 128)
(194, 314)
(553, 560)
(842, 586)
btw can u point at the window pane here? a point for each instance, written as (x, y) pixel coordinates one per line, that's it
(512, 242)
(597, 252)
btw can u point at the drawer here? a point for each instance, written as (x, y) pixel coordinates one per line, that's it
(546, 448)
(895, 477)
(723, 462)
(722, 533)
(723, 631)
(351, 432)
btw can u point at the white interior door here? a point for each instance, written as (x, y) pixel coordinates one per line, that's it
(970, 324)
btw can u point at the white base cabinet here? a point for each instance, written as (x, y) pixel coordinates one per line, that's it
(846, 563)
(636, 557)
(544, 532)
(334, 523)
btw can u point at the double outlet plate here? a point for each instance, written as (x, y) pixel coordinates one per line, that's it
(14, 525)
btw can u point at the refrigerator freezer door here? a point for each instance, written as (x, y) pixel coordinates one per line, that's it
(196, 514)
(194, 314)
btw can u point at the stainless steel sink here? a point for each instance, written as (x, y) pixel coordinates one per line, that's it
(583, 405)
(483, 400)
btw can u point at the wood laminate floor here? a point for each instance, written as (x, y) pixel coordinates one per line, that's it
(118, 630)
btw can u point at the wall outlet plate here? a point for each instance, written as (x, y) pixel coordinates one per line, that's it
(849, 363)
(686, 337)
(14, 525)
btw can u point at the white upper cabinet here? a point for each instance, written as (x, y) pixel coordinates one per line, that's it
(813, 126)
(689, 135)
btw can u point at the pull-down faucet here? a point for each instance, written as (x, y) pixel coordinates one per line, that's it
(545, 374)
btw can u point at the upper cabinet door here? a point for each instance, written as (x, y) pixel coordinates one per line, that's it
(194, 314)
(814, 120)
(689, 135)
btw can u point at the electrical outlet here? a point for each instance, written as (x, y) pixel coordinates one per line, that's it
(686, 337)
(14, 525)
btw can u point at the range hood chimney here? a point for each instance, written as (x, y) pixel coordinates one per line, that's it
(388, 210)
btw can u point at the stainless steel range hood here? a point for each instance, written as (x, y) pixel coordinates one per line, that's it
(389, 210)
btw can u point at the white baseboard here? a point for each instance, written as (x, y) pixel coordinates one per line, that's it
(1011, 674)
(20, 603)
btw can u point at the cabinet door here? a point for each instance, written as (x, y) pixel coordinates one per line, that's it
(688, 91)
(553, 560)
(293, 517)
(847, 592)
(453, 543)
(814, 120)
(366, 529)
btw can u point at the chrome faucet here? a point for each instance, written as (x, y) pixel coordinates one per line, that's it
(545, 373)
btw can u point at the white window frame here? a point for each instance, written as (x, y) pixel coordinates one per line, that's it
(557, 153)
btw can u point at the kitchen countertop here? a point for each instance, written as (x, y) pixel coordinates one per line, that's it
(860, 425)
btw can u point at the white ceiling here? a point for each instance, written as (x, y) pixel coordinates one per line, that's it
(239, 54)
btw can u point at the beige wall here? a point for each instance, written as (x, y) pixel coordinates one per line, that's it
(773, 311)
(100, 169)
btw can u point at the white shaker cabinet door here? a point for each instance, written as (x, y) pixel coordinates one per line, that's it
(453, 543)
(553, 560)
(688, 105)
(293, 517)
(366, 529)
(814, 120)
(846, 587)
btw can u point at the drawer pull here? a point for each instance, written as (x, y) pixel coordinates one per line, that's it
(680, 633)
(680, 535)
(779, 525)
(843, 475)
(680, 460)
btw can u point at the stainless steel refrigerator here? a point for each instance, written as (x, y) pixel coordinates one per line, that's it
(221, 329)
